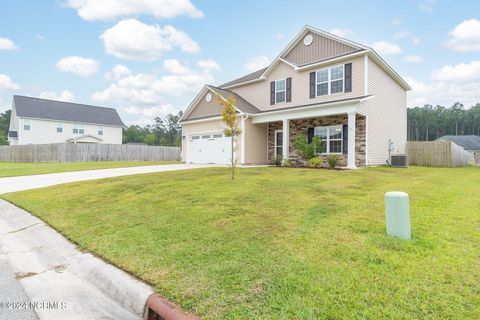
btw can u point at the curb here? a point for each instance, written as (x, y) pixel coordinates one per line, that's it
(157, 305)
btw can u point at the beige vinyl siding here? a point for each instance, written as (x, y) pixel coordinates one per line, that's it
(212, 126)
(386, 115)
(259, 93)
(204, 108)
(320, 49)
(255, 143)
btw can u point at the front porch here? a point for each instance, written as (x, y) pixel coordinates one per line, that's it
(336, 132)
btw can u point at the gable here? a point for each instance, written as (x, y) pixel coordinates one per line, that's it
(321, 48)
(205, 108)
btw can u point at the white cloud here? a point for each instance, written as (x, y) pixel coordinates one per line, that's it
(396, 21)
(65, 95)
(7, 44)
(406, 34)
(465, 37)
(208, 64)
(413, 59)
(386, 48)
(117, 72)
(279, 36)
(146, 115)
(6, 83)
(79, 66)
(460, 73)
(427, 5)
(110, 9)
(144, 94)
(344, 33)
(133, 40)
(174, 66)
(39, 37)
(256, 63)
(449, 84)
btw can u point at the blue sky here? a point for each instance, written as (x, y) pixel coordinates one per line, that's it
(148, 58)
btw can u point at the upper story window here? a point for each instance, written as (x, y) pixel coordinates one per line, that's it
(329, 81)
(100, 131)
(280, 91)
(59, 127)
(78, 128)
(26, 124)
(332, 138)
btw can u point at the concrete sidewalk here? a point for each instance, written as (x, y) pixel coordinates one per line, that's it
(12, 184)
(61, 281)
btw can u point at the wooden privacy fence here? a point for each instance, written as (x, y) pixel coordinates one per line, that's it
(85, 152)
(437, 154)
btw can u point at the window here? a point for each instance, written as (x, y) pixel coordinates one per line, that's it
(100, 131)
(195, 137)
(206, 136)
(336, 79)
(329, 81)
(331, 138)
(217, 135)
(280, 91)
(78, 128)
(278, 143)
(26, 124)
(59, 127)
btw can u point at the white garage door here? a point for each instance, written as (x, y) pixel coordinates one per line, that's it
(209, 148)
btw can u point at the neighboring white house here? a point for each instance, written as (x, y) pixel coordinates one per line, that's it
(320, 85)
(39, 121)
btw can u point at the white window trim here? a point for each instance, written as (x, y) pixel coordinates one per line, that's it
(98, 131)
(284, 91)
(327, 140)
(329, 80)
(275, 139)
(59, 125)
(27, 122)
(78, 127)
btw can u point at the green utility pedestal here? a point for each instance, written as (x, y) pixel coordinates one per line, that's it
(397, 214)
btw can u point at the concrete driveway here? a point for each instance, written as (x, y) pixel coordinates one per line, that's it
(12, 184)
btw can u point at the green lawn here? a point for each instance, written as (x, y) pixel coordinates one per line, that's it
(282, 243)
(12, 169)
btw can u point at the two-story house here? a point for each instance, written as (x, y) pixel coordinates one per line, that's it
(320, 85)
(41, 121)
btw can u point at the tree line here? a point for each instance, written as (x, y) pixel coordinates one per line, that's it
(429, 122)
(163, 132)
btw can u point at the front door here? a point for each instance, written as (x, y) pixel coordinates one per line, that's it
(279, 143)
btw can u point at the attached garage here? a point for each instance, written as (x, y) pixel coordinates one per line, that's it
(211, 147)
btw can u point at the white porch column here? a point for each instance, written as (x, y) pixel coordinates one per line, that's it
(286, 142)
(351, 140)
(242, 140)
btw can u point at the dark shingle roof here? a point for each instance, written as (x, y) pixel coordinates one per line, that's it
(241, 104)
(65, 111)
(470, 142)
(248, 77)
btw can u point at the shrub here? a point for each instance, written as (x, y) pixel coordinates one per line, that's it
(286, 163)
(277, 161)
(333, 160)
(305, 150)
(315, 162)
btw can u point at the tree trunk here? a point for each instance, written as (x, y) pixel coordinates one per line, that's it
(233, 162)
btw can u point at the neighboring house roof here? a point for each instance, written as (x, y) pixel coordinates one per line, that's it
(85, 137)
(469, 142)
(30, 107)
(356, 50)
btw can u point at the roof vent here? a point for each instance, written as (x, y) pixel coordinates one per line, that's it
(208, 97)
(308, 40)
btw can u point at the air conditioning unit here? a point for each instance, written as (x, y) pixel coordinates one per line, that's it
(399, 160)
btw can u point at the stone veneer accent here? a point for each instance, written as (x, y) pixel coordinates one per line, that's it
(301, 127)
